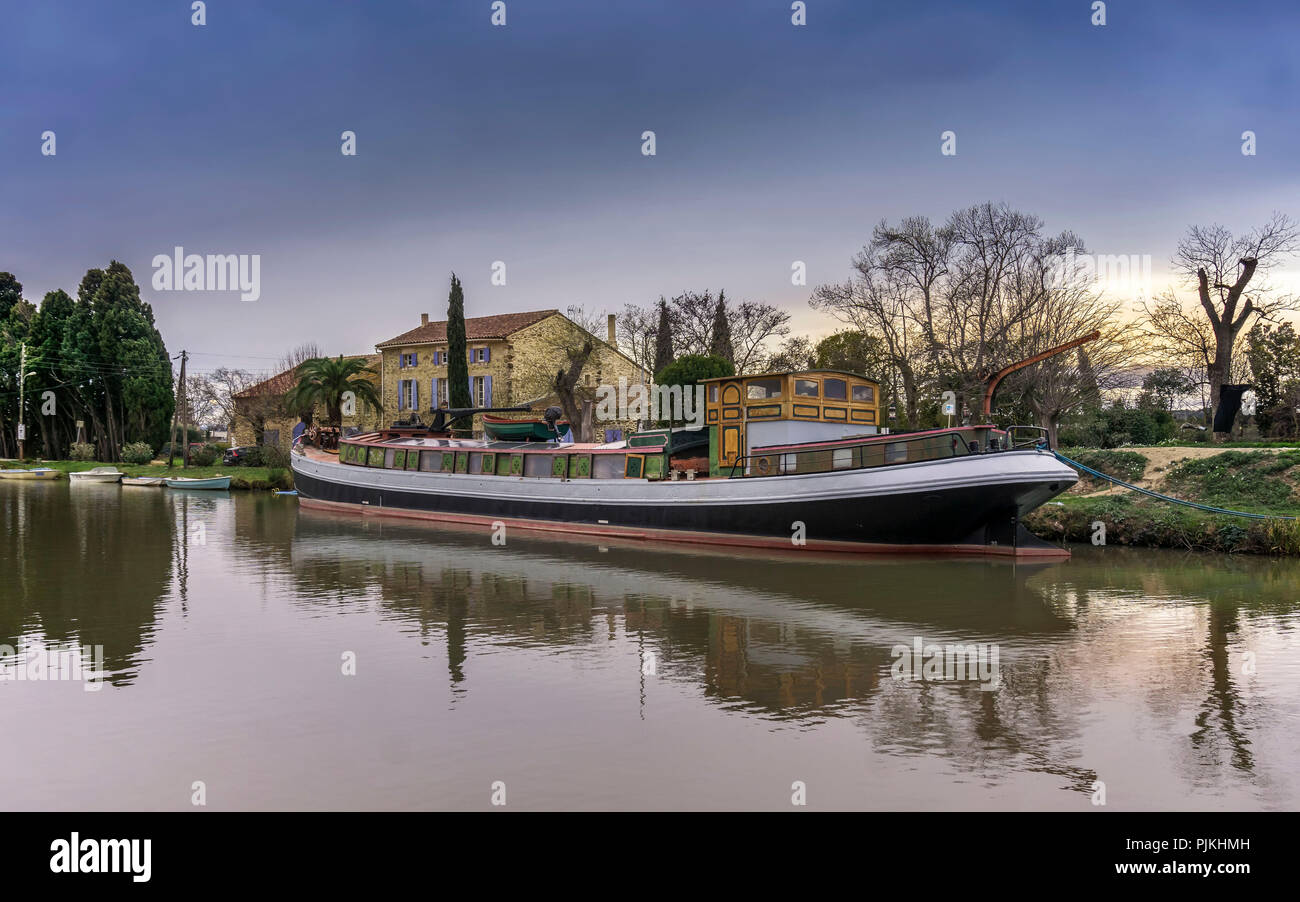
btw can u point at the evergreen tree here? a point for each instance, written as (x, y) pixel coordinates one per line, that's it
(457, 350)
(100, 356)
(663, 339)
(720, 346)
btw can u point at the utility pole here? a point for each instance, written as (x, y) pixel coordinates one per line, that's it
(185, 415)
(22, 406)
(176, 409)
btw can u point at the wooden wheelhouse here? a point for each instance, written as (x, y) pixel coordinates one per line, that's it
(749, 412)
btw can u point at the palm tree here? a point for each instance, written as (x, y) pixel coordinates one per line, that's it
(326, 381)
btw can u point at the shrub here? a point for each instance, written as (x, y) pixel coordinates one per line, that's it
(137, 453)
(204, 457)
(281, 480)
(274, 456)
(252, 456)
(82, 451)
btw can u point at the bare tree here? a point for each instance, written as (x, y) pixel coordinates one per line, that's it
(753, 325)
(795, 353)
(576, 404)
(874, 302)
(306, 351)
(1222, 267)
(952, 305)
(635, 330)
(213, 395)
(1069, 308)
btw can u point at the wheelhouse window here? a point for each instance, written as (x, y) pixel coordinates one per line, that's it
(431, 461)
(762, 389)
(805, 388)
(713, 393)
(864, 393)
(835, 389)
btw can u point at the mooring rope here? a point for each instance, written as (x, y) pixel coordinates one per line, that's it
(1202, 507)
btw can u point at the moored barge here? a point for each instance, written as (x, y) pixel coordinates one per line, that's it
(784, 459)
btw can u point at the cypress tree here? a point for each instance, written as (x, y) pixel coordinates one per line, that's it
(663, 339)
(720, 346)
(457, 349)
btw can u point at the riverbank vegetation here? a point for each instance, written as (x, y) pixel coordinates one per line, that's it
(254, 478)
(1258, 481)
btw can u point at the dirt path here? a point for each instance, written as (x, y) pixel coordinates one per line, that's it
(1160, 459)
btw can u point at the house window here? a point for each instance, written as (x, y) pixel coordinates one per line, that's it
(442, 393)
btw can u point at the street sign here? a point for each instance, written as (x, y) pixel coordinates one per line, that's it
(22, 432)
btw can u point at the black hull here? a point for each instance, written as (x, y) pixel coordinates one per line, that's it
(984, 516)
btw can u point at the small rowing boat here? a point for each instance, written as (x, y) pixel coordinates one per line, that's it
(213, 483)
(502, 429)
(34, 473)
(98, 474)
(142, 480)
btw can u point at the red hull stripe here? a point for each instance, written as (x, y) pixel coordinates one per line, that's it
(688, 536)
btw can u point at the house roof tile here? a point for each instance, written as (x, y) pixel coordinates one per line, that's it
(477, 328)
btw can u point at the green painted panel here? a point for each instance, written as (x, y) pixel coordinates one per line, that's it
(560, 465)
(654, 466)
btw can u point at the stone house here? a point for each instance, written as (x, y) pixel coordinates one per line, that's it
(261, 419)
(513, 358)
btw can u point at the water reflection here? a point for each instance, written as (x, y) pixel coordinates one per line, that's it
(85, 565)
(799, 641)
(1171, 677)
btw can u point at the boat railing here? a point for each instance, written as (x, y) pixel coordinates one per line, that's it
(879, 451)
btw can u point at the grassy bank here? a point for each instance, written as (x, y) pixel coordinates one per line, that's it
(1252, 481)
(256, 478)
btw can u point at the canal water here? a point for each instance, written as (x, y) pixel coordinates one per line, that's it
(260, 656)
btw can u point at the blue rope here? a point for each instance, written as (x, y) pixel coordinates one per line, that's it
(1201, 507)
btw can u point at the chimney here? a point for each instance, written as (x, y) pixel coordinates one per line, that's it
(424, 319)
(612, 339)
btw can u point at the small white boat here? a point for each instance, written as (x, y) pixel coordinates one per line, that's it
(34, 473)
(143, 480)
(99, 474)
(213, 483)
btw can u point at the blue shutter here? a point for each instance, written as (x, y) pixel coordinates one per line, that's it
(401, 394)
(415, 359)
(487, 391)
(401, 363)
(487, 355)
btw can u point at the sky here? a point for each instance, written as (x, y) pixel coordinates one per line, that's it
(522, 143)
